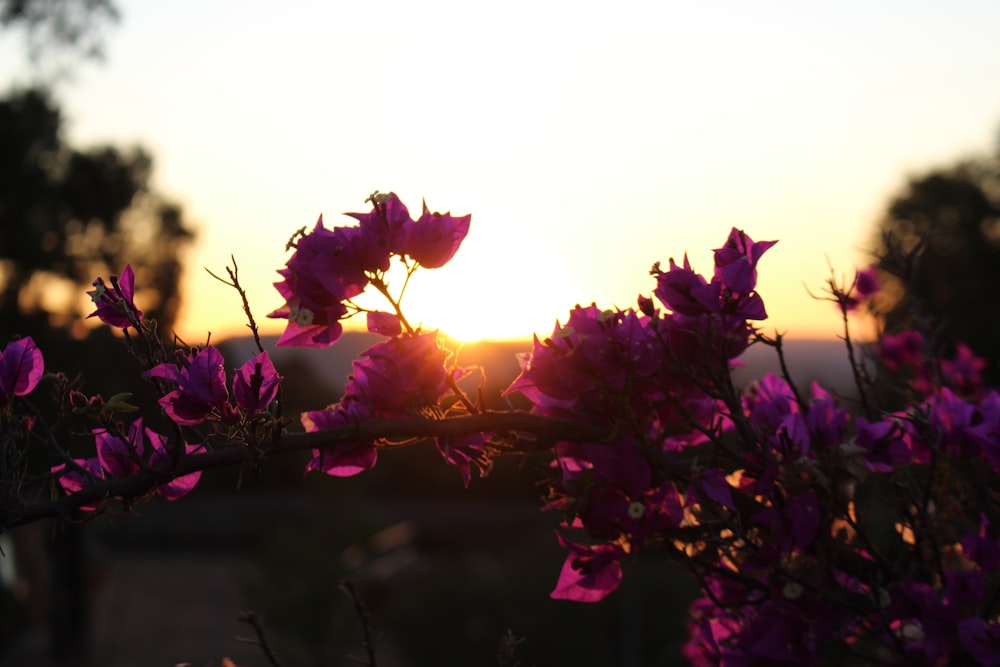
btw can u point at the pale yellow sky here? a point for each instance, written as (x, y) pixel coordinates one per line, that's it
(587, 139)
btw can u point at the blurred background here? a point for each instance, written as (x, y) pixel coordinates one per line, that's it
(588, 140)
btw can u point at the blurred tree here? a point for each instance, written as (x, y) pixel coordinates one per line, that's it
(67, 216)
(59, 26)
(946, 229)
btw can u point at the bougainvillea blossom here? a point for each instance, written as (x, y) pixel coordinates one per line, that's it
(332, 266)
(200, 377)
(589, 573)
(328, 266)
(461, 452)
(736, 261)
(346, 458)
(386, 224)
(400, 376)
(74, 481)
(123, 456)
(256, 384)
(384, 324)
(433, 239)
(21, 369)
(116, 304)
(124, 453)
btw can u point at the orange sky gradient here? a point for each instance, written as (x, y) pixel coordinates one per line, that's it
(588, 140)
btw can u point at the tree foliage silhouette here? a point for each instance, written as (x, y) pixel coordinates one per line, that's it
(68, 26)
(946, 227)
(67, 215)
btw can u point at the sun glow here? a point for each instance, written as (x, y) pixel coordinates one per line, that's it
(473, 301)
(584, 156)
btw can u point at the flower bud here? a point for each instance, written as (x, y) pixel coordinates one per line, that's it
(78, 400)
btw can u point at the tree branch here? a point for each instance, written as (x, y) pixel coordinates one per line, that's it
(548, 430)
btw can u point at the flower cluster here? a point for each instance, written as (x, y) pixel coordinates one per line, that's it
(122, 453)
(395, 378)
(907, 353)
(821, 531)
(332, 266)
(200, 396)
(769, 496)
(404, 376)
(655, 379)
(818, 572)
(201, 393)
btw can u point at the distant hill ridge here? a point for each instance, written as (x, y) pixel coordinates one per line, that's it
(320, 374)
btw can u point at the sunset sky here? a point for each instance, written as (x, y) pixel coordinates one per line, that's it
(587, 139)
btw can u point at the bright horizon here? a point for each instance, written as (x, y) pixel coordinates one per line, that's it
(587, 140)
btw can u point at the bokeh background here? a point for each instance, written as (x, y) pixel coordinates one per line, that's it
(588, 140)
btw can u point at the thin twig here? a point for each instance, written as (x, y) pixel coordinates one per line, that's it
(506, 654)
(234, 282)
(363, 618)
(251, 619)
(778, 343)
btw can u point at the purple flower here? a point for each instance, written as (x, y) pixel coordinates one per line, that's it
(21, 368)
(434, 238)
(589, 573)
(460, 452)
(402, 375)
(736, 262)
(387, 223)
(825, 420)
(769, 402)
(347, 458)
(201, 391)
(778, 634)
(793, 526)
(384, 324)
(256, 384)
(714, 485)
(73, 481)
(124, 454)
(983, 546)
(115, 306)
(328, 267)
(964, 373)
(865, 284)
(587, 364)
(160, 458)
(201, 386)
(884, 444)
(981, 640)
(683, 291)
(121, 457)
(901, 350)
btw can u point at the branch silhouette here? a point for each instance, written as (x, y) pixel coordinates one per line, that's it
(235, 453)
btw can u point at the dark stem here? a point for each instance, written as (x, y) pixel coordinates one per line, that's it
(234, 282)
(779, 348)
(251, 619)
(363, 618)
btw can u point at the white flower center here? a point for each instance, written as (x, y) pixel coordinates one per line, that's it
(301, 316)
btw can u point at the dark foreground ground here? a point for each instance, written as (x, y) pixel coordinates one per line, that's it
(443, 578)
(445, 572)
